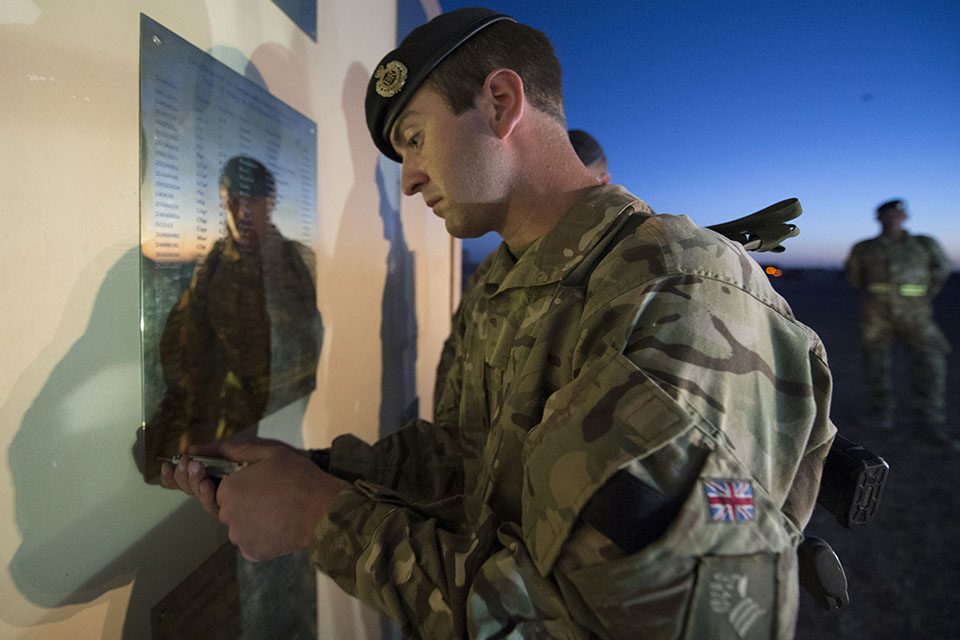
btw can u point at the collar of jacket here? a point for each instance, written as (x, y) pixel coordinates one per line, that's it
(904, 237)
(554, 255)
(236, 252)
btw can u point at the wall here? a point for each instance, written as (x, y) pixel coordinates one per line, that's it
(87, 546)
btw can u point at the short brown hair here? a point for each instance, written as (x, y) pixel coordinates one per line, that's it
(504, 45)
(245, 176)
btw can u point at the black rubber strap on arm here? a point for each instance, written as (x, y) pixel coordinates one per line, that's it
(630, 512)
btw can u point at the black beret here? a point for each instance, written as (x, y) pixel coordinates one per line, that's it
(246, 176)
(896, 205)
(587, 148)
(403, 70)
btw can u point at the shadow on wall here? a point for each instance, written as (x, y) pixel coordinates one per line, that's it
(236, 60)
(353, 285)
(398, 321)
(87, 520)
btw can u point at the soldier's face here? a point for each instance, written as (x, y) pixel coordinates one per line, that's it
(248, 217)
(455, 162)
(891, 217)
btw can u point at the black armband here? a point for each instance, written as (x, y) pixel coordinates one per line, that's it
(321, 458)
(630, 512)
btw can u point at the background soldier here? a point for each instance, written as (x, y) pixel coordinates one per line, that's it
(591, 154)
(898, 274)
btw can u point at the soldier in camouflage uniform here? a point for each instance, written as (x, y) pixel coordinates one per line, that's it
(898, 274)
(629, 425)
(243, 340)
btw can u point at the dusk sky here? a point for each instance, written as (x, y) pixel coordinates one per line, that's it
(718, 108)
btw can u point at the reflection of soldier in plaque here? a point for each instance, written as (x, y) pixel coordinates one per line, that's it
(243, 340)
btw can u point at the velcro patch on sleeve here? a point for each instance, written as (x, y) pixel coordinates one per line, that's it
(735, 598)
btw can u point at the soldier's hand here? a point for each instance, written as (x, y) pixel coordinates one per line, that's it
(272, 505)
(190, 477)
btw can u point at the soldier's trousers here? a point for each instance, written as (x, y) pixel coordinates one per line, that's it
(927, 348)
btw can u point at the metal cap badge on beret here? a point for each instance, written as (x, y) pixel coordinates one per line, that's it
(403, 70)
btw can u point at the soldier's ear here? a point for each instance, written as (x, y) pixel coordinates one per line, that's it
(504, 96)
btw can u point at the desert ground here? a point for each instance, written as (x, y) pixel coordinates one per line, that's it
(903, 568)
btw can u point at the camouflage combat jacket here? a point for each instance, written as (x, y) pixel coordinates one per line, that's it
(620, 343)
(897, 276)
(242, 341)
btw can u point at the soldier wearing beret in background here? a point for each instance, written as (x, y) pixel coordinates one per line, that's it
(629, 425)
(591, 154)
(898, 274)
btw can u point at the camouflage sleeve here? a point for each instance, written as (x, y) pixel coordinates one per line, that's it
(166, 427)
(309, 261)
(184, 344)
(422, 461)
(939, 265)
(414, 563)
(853, 269)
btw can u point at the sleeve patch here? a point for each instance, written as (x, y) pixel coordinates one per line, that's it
(729, 500)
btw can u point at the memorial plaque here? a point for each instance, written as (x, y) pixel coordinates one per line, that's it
(229, 326)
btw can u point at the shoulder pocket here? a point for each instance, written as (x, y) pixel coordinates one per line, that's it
(610, 414)
(735, 598)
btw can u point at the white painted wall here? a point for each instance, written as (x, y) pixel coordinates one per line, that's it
(85, 545)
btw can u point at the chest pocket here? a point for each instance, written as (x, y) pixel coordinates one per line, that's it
(496, 360)
(512, 325)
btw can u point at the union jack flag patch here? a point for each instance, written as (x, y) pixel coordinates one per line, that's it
(729, 500)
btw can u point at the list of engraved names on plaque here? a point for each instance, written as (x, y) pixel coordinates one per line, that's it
(195, 114)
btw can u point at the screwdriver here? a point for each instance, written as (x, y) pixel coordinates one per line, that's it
(215, 468)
